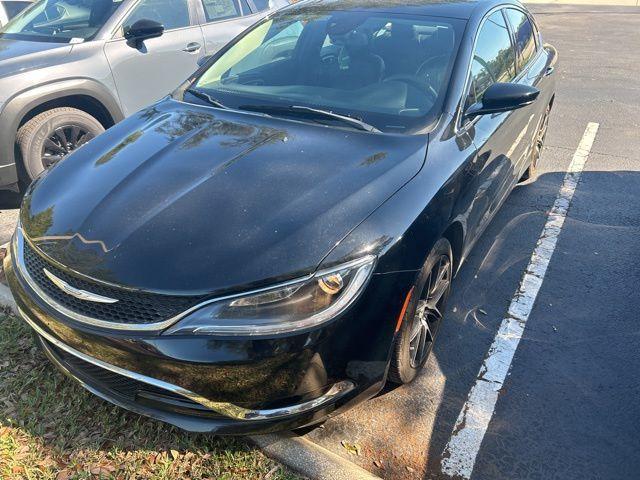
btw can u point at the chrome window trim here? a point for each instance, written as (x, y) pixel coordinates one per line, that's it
(460, 129)
(223, 408)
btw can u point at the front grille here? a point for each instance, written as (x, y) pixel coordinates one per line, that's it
(132, 307)
(124, 387)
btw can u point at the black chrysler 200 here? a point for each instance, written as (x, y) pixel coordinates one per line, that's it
(271, 243)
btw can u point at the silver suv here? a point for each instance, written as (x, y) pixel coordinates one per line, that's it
(69, 69)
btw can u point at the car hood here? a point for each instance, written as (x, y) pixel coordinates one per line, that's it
(187, 199)
(17, 56)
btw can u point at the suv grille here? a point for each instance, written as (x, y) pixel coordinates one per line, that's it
(132, 307)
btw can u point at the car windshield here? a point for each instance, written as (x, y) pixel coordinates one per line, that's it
(60, 20)
(389, 72)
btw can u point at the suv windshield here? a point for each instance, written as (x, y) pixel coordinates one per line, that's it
(60, 20)
(388, 71)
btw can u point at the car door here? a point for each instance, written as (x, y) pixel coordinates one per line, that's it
(145, 73)
(531, 71)
(493, 135)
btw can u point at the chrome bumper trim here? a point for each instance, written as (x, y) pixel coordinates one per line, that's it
(226, 409)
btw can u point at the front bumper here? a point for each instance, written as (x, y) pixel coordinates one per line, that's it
(223, 385)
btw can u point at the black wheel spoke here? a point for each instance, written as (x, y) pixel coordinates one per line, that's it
(63, 138)
(51, 145)
(62, 141)
(49, 160)
(74, 134)
(84, 139)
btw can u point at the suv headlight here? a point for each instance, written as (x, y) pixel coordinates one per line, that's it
(284, 308)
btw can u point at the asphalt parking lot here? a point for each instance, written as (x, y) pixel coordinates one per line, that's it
(568, 407)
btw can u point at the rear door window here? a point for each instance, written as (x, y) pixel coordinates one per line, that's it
(215, 10)
(524, 35)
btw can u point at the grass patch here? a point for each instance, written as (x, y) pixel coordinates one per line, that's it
(51, 428)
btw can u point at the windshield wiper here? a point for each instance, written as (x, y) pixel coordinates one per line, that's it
(206, 97)
(314, 112)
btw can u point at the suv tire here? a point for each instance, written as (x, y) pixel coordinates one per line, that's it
(50, 136)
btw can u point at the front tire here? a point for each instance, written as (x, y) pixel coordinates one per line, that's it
(423, 316)
(50, 136)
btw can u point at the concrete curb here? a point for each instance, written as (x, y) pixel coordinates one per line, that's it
(297, 453)
(6, 299)
(308, 458)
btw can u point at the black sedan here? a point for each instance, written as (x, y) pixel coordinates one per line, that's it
(274, 241)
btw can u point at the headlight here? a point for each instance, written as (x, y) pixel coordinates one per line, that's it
(285, 308)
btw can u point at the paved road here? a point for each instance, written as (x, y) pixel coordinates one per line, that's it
(569, 407)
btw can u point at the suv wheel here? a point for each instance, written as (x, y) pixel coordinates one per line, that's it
(50, 136)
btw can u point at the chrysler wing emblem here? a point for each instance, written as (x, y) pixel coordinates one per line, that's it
(76, 292)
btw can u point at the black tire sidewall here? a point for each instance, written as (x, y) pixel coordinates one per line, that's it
(32, 141)
(401, 369)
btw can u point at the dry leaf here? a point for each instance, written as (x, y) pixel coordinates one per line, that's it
(64, 475)
(352, 448)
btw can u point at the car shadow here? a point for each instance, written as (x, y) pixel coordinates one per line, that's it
(9, 200)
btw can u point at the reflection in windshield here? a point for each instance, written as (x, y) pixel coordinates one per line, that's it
(61, 20)
(389, 71)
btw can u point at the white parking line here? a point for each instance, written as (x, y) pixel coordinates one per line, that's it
(460, 453)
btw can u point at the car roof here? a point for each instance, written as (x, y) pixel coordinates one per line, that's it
(463, 9)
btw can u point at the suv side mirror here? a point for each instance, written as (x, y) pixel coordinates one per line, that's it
(142, 30)
(502, 97)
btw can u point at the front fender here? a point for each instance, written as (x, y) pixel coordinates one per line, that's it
(17, 106)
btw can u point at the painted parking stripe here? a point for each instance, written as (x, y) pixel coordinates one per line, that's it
(460, 452)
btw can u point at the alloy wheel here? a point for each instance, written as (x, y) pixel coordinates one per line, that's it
(429, 311)
(62, 142)
(539, 141)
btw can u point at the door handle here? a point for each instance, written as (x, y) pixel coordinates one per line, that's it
(192, 47)
(548, 71)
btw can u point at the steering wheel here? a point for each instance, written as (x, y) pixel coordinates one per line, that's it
(438, 63)
(423, 86)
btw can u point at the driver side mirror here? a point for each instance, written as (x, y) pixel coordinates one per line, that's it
(142, 30)
(503, 97)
